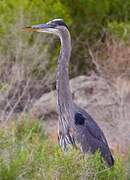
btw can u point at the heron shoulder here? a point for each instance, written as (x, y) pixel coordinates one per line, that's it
(83, 119)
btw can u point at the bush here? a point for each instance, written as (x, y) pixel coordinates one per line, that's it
(25, 153)
(86, 20)
(120, 30)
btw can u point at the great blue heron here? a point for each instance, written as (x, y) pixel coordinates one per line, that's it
(76, 126)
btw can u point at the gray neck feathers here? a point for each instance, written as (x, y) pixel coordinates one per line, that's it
(64, 97)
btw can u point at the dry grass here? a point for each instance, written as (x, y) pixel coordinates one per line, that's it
(24, 69)
(113, 60)
(112, 100)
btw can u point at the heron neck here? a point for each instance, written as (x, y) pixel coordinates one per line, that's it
(64, 97)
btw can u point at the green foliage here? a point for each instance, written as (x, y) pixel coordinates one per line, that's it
(32, 12)
(18, 46)
(25, 153)
(120, 30)
(119, 11)
(86, 19)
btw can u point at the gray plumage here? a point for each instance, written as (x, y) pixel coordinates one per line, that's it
(76, 126)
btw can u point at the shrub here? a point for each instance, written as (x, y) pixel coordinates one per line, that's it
(25, 153)
(120, 30)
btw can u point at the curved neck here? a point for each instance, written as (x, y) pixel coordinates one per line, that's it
(64, 97)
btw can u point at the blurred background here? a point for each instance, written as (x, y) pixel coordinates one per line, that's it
(99, 65)
(100, 33)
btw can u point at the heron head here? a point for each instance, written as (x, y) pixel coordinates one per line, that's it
(55, 27)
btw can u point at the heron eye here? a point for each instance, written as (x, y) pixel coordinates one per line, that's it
(79, 119)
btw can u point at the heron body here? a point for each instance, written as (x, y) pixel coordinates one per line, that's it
(76, 127)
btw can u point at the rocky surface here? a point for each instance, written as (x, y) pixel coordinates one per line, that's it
(107, 103)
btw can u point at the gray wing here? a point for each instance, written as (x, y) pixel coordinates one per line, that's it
(92, 126)
(90, 136)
